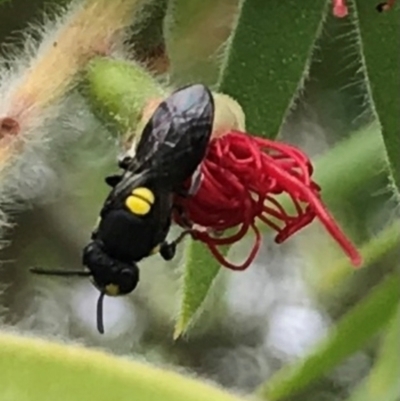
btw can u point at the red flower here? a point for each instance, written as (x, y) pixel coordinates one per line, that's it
(241, 177)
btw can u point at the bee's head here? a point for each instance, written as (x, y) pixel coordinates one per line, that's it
(110, 276)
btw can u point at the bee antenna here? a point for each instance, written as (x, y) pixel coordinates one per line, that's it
(76, 273)
(100, 323)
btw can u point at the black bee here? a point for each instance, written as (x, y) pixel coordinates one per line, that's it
(136, 216)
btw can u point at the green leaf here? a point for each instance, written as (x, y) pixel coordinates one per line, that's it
(200, 271)
(264, 66)
(36, 370)
(380, 41)
(332, 278)
(349, 335)
(268, 57)
(147, 37)
(118, 91)
(351, 166)
(383, 383)
(186, 22)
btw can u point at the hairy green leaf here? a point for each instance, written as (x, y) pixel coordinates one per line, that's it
(147, 38)
(380, 41)
(186, 22)
(267, 58)
(350, 334)
(352, 165)
(36, 370)
(383, 383)
(200, 272)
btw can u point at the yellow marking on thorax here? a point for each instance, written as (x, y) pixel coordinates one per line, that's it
(144, 193)
(140, 201)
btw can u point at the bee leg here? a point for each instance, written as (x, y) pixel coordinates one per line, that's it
(168, 250)
(125, 162)
(184, 219)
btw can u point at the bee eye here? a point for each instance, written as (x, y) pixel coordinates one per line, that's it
(126, 274)
(128, 279)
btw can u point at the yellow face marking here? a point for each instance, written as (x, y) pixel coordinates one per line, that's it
(155, 250)
(112, 290)
(140, 201)
(144, 193)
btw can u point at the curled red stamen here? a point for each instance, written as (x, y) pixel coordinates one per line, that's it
(340, 8)
(241, 177)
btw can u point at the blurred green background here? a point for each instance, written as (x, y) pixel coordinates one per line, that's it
(256, 321)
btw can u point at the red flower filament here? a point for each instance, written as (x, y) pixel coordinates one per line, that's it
(241, 177)
(339, 8)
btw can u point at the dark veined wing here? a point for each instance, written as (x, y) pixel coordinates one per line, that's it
(172, 145)
(175, 140)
